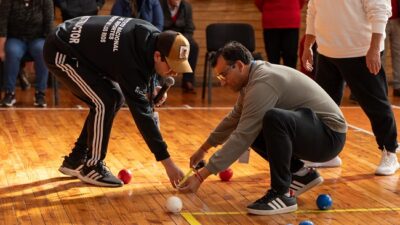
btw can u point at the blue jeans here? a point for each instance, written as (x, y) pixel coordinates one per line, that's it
(15, 49)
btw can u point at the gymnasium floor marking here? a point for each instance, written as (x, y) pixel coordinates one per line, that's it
(191, 219)
(166, 108)
(184, 107)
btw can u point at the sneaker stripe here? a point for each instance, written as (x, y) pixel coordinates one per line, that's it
(295, 188)
(79, 167)
(90, 174)
(298, 184)
(272, 206)
(281, 203)
(94, 175)
(276, 204)
(99, 106)
(98, 177)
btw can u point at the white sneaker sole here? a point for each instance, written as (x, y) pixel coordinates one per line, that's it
(335, 162)
(69, 172)
(387, 173)
(317, 181)
(98, 183)
(272, 212)
(11, 104)
(43, 105)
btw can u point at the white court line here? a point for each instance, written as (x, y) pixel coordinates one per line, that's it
(79, 108)
(360, 130)
(184, 107)
(396, 107)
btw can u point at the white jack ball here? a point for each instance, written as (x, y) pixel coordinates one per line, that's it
(174, 204)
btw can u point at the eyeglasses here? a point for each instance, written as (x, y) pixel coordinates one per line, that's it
(222, 76)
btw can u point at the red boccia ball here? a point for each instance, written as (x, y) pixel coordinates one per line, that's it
(125, 175)
(226, 175)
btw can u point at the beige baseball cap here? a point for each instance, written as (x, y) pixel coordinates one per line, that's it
(175, 47)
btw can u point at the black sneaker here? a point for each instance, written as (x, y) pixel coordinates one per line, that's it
(72, 167)
(40, 99)
(9, 99)
(301, 184)
(273, 203)
(99, 175)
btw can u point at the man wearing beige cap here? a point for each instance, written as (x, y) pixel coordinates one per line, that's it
(104, 60)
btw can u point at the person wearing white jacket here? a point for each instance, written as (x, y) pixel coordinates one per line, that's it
(350, 37)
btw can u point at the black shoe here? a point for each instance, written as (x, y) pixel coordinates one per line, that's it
(40, 99)
(9, 99)
(301, 184)
(99, 175)
(71, 166)
(273, 203)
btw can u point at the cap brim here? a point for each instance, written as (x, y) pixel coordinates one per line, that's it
(179, 66)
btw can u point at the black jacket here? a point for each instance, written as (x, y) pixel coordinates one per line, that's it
(74, 8)
(27, 22)
(121, 49)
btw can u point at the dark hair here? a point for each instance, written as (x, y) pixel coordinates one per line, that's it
(231, 52)
(164, 43)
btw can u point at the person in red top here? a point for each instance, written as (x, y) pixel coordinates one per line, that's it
(393, 36)
(281, 22)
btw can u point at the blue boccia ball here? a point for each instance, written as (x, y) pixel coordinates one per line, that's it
(324, 201)
(306, 222)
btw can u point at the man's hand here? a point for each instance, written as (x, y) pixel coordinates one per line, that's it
(373, 57)
(373, 60)
(163, 99)
(199, 154)
(191, 185)
(307, 59)
(196, 157)
(174, 173)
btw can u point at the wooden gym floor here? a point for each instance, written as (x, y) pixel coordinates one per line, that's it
(32, 191)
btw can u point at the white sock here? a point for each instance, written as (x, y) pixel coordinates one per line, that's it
(301, 172)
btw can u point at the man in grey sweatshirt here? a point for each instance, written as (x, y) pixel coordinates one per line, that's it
(284, 116)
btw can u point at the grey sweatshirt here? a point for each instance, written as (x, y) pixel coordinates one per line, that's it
(269, 86)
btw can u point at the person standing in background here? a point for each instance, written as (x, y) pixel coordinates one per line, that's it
(75, 8)
(178, 16)
(350, 48)
(24, 26)
(149, 10)
(393, 36)
(281, 22)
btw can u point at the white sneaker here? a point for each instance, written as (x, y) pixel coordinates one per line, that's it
(388, 164)
(335, 162)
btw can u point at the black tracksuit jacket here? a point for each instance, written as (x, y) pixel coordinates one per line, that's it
(122, 50)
